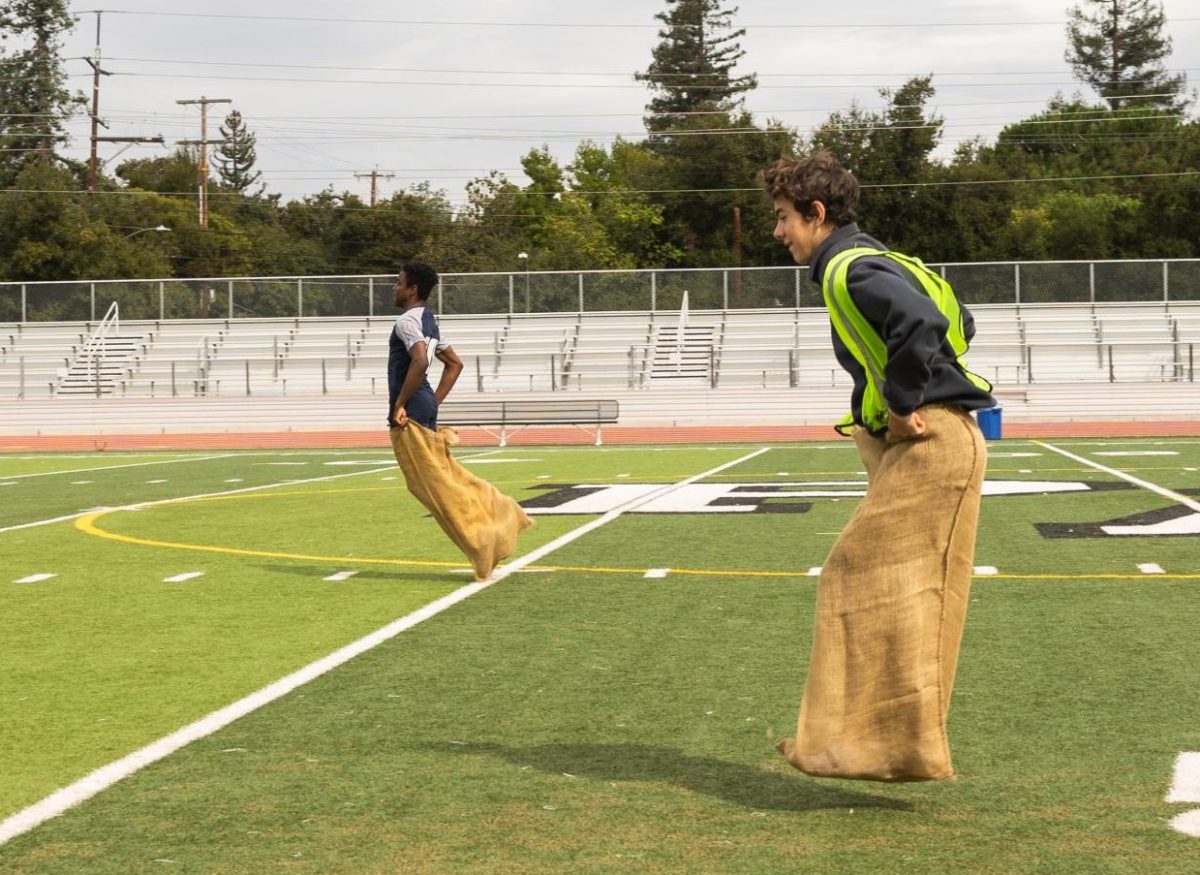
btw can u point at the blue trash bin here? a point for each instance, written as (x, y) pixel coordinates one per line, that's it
(990, 422)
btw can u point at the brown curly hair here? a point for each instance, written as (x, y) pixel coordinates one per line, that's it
(819, 177)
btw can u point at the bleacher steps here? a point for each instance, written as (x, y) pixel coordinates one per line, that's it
(113, 357)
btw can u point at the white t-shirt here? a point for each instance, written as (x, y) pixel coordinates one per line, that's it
(416, 325)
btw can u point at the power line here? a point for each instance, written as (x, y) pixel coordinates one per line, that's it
(616, 73)
(1058, 22)
(627, 191)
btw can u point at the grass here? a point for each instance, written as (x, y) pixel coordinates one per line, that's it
(586, 719)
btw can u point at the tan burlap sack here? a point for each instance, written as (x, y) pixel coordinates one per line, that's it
(891, 603)
(481, 521)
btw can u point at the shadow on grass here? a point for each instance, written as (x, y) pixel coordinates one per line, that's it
(736, 783)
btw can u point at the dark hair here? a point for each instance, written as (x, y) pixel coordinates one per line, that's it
(819, 177)
(421, 275)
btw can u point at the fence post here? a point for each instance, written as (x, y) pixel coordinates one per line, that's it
(441, 307)
(162, 300)
(1017, 283)
(230, 289)
(370, 296)
(324, 386)
(653, 290)
(174, 391)
(299, 296)
(581, 293)
(511, 281)
(247, 378)
(1166, 286)
(23, 302)
(1111, 375)
(797, 272)
(1092, 283)
(93, 293)
(478, 375)
(553, 372)
(724, 290)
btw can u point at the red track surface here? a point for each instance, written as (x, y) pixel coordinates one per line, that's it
(546, 435)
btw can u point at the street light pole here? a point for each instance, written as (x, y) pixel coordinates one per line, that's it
(524, 257)
(159, 228)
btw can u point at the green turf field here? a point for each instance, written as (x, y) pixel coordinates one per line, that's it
(611, 706)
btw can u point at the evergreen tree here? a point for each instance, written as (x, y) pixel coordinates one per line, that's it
(34, 100)
(235, 157)
(692, 64)
(1117, 48)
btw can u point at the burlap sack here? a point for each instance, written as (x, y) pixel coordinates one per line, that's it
(891, 603)
(481, 521)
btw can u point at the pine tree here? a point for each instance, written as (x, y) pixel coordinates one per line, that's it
(692, 64)
(235, 157)
(34, 100)
(1117, 48)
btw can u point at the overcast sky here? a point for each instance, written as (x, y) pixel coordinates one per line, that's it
(447, 91)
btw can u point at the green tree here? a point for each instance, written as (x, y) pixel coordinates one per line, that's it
(1117, 47)
(235, 157)
(34, 99)
(891, 153)
(50, 234)
(691, 70)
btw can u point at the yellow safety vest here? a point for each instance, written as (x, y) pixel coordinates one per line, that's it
(864, 342)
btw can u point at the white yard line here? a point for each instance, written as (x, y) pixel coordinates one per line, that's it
(1129, 478)
(68, 797)
(141, 504)
(115, 467)
(35, 578)
(183, 578)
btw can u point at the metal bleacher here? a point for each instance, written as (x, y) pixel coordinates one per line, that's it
(783, 348)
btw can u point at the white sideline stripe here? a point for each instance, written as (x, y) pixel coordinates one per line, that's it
(115, 467)
(35, 578)
(340, 576)
(986, 569)
(104, 777)
(815, 571)
(143, 504)
(1137, 453)
(1150, 568)
(1129, 478)
(186, 576)
(1185, 786)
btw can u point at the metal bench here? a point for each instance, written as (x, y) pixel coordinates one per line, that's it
(512, 416)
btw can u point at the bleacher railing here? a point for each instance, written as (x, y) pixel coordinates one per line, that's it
(1027, 282)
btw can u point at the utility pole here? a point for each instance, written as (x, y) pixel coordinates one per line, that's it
(203, 143)
(375, 176)
(737, 253)
(96, 139)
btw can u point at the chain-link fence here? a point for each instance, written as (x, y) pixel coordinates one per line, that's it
(1016, 283)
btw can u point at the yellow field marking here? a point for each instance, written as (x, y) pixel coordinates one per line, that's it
(87, 525)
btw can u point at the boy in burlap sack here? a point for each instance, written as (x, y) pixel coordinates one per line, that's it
(892, 596)
(481, 521)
